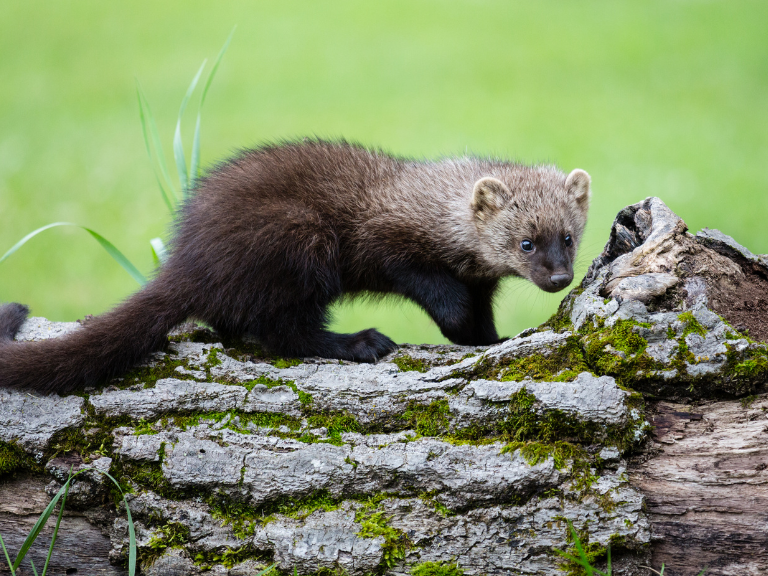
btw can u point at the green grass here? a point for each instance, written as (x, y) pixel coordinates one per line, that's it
(653, 98)
(579, 559)
(60, 499)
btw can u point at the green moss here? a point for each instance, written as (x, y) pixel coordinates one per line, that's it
(562, 365)
(618, 540)
(618, 351)
(236, 348)
(559, 321)
(681, 359)
(671, 334)
(244, 518)
(430, 499)
(300, 508)
(374, 523)
(170, 535)
(539, 367)
(683, 356)
(523, 423)
(551, 432)
(747, 401)
(429, 420)
(621, 337)
(535, 452)
(337, 424)
(92, 439)
(234, 420)
(754, 364)
(97, 440)
(409, 364)
(692, 325)
(437, 569)
(747, 369)
(286, 362)
(564, 454)
(229, 558)
(165, 367)
(593, 551)
(145, 475)
(198, 334)
(144, 428)
(13, 458)
(213, 359)
(337, 570)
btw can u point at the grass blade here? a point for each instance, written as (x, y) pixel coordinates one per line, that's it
(56, 529)
(216, 65)
(582, 559)
(159, 253)
(194, 171)
(28, 237)
(178, 146)
(266, 570)
(155, 136)
(131, 537)
(143, 119)
(131, 529)
(194, 168)
(37, 528)
(118, 256)
(7, 558)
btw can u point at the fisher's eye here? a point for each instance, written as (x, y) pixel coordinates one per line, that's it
(568, 240)
(526, 245)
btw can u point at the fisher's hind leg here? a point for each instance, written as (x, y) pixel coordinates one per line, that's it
(300, 331)
(290, 312)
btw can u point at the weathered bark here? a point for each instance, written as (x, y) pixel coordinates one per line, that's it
(628, 413)
(81, 547)
(705, 481)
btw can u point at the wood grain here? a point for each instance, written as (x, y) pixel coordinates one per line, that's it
(706, 488)
(80, 549)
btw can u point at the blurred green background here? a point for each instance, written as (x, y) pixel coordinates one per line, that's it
(666, 98)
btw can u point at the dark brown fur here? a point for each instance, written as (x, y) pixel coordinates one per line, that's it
(275, 235)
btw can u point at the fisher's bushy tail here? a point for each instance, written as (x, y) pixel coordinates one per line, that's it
(105, 347)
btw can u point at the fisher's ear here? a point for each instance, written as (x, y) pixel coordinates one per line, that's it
(489, 196)
(577, 184)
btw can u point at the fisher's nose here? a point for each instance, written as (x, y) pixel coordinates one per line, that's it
(560, 280)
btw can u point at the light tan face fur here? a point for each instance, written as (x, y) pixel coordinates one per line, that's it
(542, 206)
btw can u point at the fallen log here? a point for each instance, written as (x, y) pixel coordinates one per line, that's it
(637, 413)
